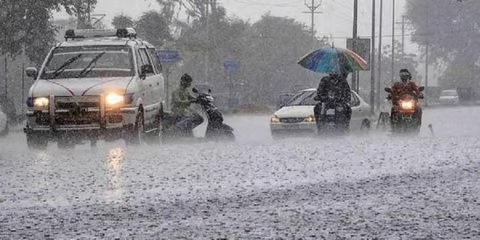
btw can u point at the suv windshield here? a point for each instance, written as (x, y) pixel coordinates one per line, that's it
(305, 98)
(89, 62)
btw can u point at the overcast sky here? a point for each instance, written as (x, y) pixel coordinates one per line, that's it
(335, 20)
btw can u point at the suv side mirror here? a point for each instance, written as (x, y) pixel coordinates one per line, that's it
(421, 89)
(389, 90)
(31, 72)
(145, 70)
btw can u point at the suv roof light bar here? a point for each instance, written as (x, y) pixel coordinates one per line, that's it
(98, 33)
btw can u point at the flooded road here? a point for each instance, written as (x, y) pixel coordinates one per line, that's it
(360, 187)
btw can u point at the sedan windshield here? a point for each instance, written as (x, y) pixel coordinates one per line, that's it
(88, 62)
(305, 98)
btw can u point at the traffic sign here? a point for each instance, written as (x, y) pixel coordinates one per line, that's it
(168, 56)
(231, 65)
(363, 48)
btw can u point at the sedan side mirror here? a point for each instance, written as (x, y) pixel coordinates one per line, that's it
(389, 90)
(146, 69)
(421, 89)
(31, 72)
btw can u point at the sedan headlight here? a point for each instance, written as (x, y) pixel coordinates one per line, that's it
(41, 102)
(310, 119)
(275, 119)
(114, 99)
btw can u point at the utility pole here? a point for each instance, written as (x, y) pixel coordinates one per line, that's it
(393, 41)
(403, 23)
(379, 68)
(313, 7)
(89, 16)
(207, 58)
(355, 37)
(427, 49)
(372, 63)
(23, 77)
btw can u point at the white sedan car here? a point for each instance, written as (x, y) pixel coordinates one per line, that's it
(449, 97)
(297, 116)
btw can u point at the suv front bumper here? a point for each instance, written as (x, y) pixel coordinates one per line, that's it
(100, 120)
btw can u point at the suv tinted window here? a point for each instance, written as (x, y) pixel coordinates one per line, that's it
(156, 61)
(144, 59)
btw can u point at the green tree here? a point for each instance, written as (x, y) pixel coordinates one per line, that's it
(452, 30)
(123, 21)
(28, 23)
(154, 27)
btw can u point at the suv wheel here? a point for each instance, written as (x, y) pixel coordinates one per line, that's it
(135, 134)
(155, 136)
(36, 141)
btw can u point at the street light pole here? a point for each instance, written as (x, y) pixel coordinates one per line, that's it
(379, 68)
(372, 63)
(355, 36)
(427, 49)
(393, 42)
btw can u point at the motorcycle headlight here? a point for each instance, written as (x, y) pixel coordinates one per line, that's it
(407, 105)
(274, 119)
(114, 99)
(310, 119)
(41, 102)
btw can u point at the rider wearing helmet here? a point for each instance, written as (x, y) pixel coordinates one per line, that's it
(405, 86)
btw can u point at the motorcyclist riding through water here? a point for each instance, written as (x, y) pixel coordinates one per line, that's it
(401, 88)
(185, 118)
(334, 89)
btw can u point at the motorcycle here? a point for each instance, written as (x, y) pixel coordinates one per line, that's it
(331, 119)
(216, 129)
(404, 112)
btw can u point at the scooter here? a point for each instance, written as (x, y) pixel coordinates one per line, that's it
(331, 119)
(216, 129)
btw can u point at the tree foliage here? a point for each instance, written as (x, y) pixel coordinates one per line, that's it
(123, 21)
(452, 29)
(154, 27)
(28, 23)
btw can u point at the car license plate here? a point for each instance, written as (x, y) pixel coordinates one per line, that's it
(291, 126)
(330, 112)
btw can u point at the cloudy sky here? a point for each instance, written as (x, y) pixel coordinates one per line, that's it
(335, 21)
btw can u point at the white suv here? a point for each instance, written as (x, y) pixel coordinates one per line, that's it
(97, 84)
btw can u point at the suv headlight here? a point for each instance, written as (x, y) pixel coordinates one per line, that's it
(41, 102)
(114, 99)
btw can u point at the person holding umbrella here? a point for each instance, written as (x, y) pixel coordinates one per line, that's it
(337, 63)
(337, 84)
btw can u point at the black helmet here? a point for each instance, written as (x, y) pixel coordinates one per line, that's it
(186, 78)
(405, 75)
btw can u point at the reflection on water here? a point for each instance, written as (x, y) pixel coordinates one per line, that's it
(43, 157)
(115, 160)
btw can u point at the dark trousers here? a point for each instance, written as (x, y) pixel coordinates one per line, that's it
(189, 121)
